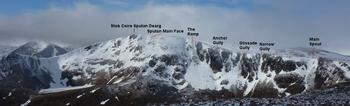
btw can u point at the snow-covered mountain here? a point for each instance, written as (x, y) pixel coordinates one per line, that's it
(24, 67)
(148, 67)
(40, 49)
(183, 66)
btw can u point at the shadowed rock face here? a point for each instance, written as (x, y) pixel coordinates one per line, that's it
(200, 51)
(277, 64)
(327, 74)
(293, 83)
(218, 59)
(29, 49)
(264, 90)
(51, 51)
(24, 71)
(215, 60)
(249, 67)
(285, 80)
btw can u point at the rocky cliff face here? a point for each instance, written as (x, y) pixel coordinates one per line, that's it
(199, 69)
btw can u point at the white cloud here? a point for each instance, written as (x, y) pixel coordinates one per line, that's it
(288, 24)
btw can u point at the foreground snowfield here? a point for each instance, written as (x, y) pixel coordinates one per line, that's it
(55, 90)
(98, 96)
(339, 95)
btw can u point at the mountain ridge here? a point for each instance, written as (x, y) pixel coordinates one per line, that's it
(139, 66)
(176, 64)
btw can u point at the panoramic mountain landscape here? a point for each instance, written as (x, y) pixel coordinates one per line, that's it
(154, 70)
(174, 52)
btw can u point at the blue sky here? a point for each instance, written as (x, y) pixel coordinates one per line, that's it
(15, 7)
